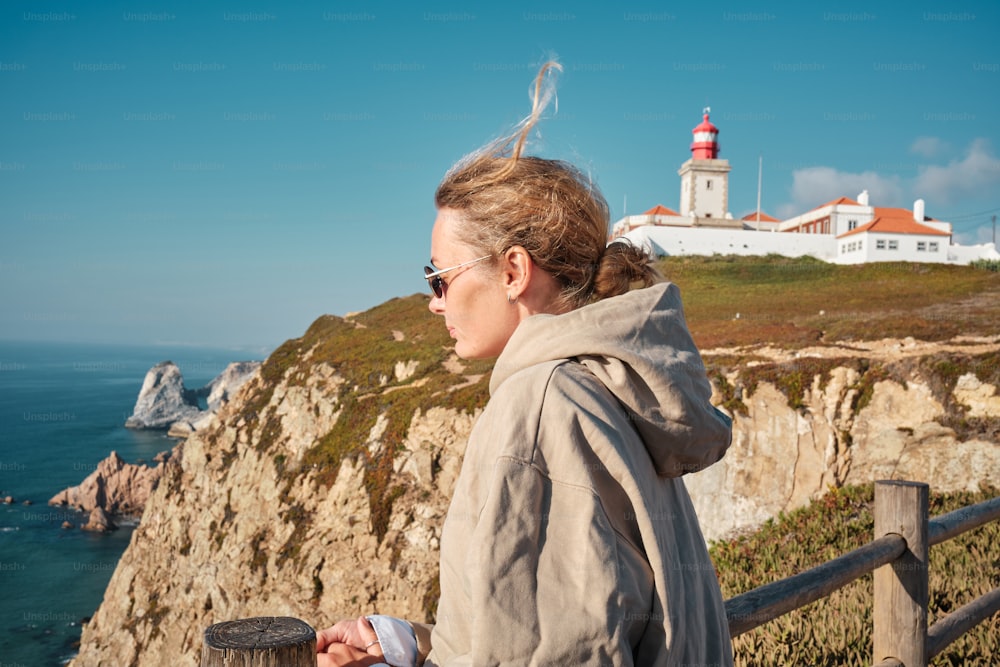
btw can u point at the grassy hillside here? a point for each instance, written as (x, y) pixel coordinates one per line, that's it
(794, 302)
(837, 629)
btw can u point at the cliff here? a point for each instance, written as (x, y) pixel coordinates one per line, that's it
(819, 418)
(320, 490)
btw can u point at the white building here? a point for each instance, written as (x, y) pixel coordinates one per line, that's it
(844, 231)
(894, 234)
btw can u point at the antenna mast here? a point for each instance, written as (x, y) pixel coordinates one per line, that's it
(760, 173)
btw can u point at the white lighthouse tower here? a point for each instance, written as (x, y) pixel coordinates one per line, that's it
(705, 178)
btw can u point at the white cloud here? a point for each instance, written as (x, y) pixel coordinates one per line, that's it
(975, 236)
(929, 147)
(977, 170)
(813, 186)
(970, 177)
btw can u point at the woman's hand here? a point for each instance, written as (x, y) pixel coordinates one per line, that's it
(350, 642)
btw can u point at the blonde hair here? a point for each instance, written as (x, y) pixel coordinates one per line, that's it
(546, 206)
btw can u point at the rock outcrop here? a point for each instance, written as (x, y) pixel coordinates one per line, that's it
(783, 456)
(163, 399)
(99, 521)
(228, 382)
(320, 489)
(165, 403)
(115, 487)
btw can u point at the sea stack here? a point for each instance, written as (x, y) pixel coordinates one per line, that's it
(163, 399)
(165, 403)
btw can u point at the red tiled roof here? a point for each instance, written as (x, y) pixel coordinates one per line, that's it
(895, 221)
(764, 217)
(840, 200)
(660, 209)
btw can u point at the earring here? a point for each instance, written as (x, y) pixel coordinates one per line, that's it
(511, 301)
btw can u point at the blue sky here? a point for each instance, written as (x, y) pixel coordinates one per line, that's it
(217, 174)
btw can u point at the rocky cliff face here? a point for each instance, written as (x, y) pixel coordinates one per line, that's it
(825, 417)
(320, 490)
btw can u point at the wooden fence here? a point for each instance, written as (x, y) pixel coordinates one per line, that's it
(898, 555)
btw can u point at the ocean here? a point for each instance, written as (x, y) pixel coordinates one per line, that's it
(62, 410)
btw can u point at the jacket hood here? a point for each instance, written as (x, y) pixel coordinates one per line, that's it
(638, 346)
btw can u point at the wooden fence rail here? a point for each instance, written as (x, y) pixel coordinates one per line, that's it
(897, 556)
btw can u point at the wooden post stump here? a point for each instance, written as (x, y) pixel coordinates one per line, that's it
(260, 642)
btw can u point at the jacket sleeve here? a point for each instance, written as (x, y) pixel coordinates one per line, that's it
(543, 575)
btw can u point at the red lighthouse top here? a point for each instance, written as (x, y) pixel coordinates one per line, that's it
(705, 145)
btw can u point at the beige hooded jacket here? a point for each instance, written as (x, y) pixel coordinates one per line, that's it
(571, 539)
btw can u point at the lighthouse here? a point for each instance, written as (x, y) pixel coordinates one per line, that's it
(706, 140)
(705, 177)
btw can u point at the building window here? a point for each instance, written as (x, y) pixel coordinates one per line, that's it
(880, 244)
(893, 245)
(921, 246)
(934, 246)
(852, 224)
(708, 184)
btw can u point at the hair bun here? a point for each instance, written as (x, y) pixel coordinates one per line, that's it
(621, 267)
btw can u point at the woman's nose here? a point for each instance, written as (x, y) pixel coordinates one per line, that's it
(436, 304)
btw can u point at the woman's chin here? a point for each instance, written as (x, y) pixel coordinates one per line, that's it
(470, 352)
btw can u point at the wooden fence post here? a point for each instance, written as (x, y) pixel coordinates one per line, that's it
(901, 589)
(260, 642)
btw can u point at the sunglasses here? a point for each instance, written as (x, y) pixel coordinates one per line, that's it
(435, 281)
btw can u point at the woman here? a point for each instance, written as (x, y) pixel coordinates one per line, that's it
(570, 539)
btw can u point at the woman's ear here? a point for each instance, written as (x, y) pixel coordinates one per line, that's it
(517, 271)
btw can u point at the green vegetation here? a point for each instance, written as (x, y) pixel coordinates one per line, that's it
(837, 629)
(792, 378)
(986, 264)
(948, 368)
(794, 302)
